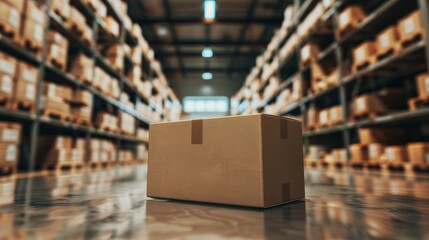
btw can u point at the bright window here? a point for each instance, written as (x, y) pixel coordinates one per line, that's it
(206, 104)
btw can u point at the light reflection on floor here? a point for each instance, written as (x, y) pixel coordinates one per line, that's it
(111, 204)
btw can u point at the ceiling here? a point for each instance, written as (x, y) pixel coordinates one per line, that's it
(174, 28)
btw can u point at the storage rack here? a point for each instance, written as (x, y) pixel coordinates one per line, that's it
(381, 15)
(33, 123)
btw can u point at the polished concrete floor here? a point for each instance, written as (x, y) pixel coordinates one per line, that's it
(113, 205)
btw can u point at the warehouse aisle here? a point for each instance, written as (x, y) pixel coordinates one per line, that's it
(112, 204)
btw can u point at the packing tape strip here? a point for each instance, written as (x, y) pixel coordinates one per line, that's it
(197, 131)
(283, 128)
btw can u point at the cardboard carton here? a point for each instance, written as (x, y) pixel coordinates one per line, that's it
(375, 151)
(324, 118)
(18, 4)
(57, 92)
(27, 72)
(309, 52)
(10, 132)
(381, 135)
(6, 85)
(396, 154)
(77, 19)
(359, 153)
(423, 85)
(33, 31)
(350, 17)
(112, 26)
(253, 160)
(8, 64)
(82, 68)
(10, 19)
(418, 153)
(83, 97)
(34, 13)
(25, 91)
(336, 115)
(55, 142)
(411, 26)
(312, 118)
(339, 155)
(53, 104)
(9, 153)
(80, 143)
(363, 53)
(387, 41)
(61, 7)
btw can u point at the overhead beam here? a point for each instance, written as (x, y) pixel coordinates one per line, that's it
(220, 20)
(192, 42)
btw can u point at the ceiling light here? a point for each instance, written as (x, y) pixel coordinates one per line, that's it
(209, 10)
(207, 52)
(207, 76)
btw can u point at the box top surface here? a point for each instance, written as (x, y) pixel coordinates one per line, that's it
(225, 117)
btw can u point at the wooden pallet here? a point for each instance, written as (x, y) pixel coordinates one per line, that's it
(103, 127)
(8, 169)
(56, 63)
(31, 45)
(5, 100)
(82, 121)
(364, 64)
(55, 114)
(61, 15)
(417, 36)
(413, 168)
(72, 166)
(9, 32)
(75, 28)
(364, 116)
(392, 50)
(21, 105)
(416, 103)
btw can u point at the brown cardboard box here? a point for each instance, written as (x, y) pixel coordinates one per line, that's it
(350, 17)
(8, 64)
(309, 52)
(84, 113)
(83, 97)
(61, 7)
(375, 151)
(18, 4)
(381, 135)
(410, 26)
(56, 37)
(6, 85)
(377, 103)
(418, 153)
(9, 153)
(10, 19)
(77, 19)
(80, 143)
(82, 68)
(101, 9)
(363, 53)
(95, 143)
(34, 13)
(114, 90)
(336, 115)
(10, 132)
(57, 92)
(136, 55)
(54, 105)
(253, 160)
(396, 154)
(112, 26)
(33, 32)
(56, 156)
(387, 41)
(55, 142)
(99, 76)
(25, 91)
(339, 155)
(312, 118)
(324, 118)
(77, 155)
(27, 72)
(359, 153)
(423, 85)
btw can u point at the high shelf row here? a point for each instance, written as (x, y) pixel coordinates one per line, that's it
(354, 72)
(79, 85)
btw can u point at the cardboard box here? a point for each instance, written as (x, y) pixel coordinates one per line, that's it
(77, 19)
(8, 64)
(34, 13)
(101, 9)
(80, 143)
(84, 113)
(339, 155)
(363, 53)
(309, 52)
(83, 97)
(18, 4)
(55, 105)
(312, 118)
(95, 143)
(25, 91)
(411, 26)
(27, 72)
(61, 7)
(381, 135)
(56, 156)
(359, 153)
(33, 32)
(387, 41)
(10, 132)
(55, 142)
(324, 118)
(336, 115)
(396, 154)
(7, 84)
(9, 153)
(82, 68)
(57, 92)
(56, 37)
(77, 155)
(381, 102)
(136, 55)
(254, 160)
(112, 26)
(423, 85)
(418, 153)
(10, 17)
(350, 17)
(375, 151)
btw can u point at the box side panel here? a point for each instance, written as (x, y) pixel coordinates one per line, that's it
(283, 164)
(221, 167)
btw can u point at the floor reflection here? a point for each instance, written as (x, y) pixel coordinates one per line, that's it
(112, 204)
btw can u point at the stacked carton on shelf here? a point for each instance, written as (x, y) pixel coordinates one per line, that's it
(10, 140)
(56, 100)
